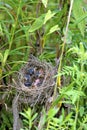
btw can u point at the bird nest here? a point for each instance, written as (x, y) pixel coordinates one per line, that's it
(35, 82)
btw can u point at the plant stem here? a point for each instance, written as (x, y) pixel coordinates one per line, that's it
(63, 46)
(58, 80)
(48, 125)
(14, 27)
(76, 116)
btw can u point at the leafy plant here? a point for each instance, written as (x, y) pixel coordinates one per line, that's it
(74, 93)
(29, 118)
(6, 120)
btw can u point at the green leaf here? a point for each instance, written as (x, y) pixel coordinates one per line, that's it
(6, 53)
(53, 29)
(26, 121)
(60, 97)
(81, 111)
(23, 114)
(37, 24)
(7, 11)
(16, 51)
(49, 15)
(82, 47)
(83, 17)
(1, 57)
(78, 12)
(68, 117)
(28, 113)
(52, 112)
(45, 3)
(1, 30)
(34, 116)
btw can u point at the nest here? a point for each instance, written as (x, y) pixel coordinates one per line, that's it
(35, 83)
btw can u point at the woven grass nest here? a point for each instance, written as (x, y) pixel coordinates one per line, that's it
(35, 82)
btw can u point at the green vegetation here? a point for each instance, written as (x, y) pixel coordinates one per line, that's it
(48, 29)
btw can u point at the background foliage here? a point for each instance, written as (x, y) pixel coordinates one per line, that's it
(38, 27)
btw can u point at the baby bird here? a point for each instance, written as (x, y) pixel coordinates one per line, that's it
(27, 80)
(30, 71)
